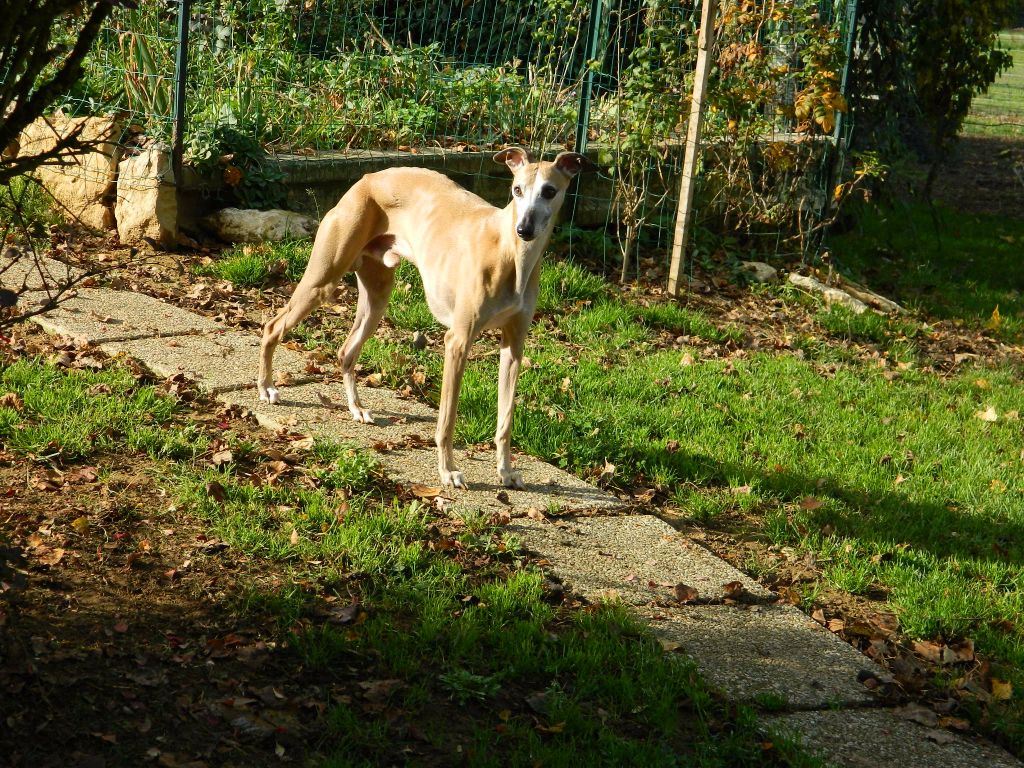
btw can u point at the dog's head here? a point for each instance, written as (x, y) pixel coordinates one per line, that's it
(538, 189)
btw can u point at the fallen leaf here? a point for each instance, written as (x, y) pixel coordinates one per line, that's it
(48, 556)
(988, 415)
(80, 524)
(425, 491)
(555, 728)
(219, 458)
(929, 651)
(685, 593)
(733, 589)
(1002, 690)
(326, 402)
(378, 691)
(11, 400)
(294, 538)
(82, 475)
(811, 503)
(216, 491)
(940, 736)
(303, 443)
(917, 713)
(535, 514)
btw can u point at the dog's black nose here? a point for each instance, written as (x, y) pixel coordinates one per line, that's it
(524, 232)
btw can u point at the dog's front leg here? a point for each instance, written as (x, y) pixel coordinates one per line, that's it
(512, 340)
(456, 350)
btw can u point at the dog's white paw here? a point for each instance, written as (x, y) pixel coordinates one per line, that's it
(453, 480)
(271, 395)
(360, 415)
(512, 479)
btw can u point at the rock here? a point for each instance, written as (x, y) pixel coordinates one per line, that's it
(147, 206)
(759, 272)
(83, 181)
(235, 225)
(829, 294)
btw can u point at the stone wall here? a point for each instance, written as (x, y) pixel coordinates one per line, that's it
(101, 182)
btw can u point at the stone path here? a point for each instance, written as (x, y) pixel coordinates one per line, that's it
(771, 656)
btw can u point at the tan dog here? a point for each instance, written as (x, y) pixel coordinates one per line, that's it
(480, 267)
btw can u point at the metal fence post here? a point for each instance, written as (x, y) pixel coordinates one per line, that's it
(587, 86)
(586, 91)
(180, 82)
(851, 36)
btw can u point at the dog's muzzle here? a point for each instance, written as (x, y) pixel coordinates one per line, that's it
(525, 232)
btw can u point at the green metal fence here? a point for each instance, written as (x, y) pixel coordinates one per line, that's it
(299, 78)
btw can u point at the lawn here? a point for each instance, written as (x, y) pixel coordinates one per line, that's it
(848, 446)
(249, 597)
(1000, 110)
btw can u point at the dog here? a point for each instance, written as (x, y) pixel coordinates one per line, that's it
(480, 267)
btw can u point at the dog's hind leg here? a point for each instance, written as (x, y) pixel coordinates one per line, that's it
(339, 242)
(375, 282)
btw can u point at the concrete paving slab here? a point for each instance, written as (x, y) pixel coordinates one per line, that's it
(403, 435)
(621, 557)
(102, 315)
(869, 738)
(762, 653)
(34, 273)
(216, 362)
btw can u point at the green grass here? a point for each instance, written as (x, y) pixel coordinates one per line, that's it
(1000, 110)
(466, 628)
(252, 266)
(914, 495)
(26, 210)
(67, 415)
(948, 264)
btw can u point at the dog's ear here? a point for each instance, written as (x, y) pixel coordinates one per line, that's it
(571, 163)
(514, 157)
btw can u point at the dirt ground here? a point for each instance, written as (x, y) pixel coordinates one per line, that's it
(985, 175)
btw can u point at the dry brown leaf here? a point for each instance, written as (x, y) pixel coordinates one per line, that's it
(216, 491)
(733, 589)
(425, 491)
(48, 556)
(988, 415)
(222, 457)
(82, 475)
(685, 593)
(811, 503)
(535, 514)
(294, 538)
(12, 400)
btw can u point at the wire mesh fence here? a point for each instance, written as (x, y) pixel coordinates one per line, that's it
(296, 80)
(999, 112)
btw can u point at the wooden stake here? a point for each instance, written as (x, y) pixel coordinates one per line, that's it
(687, 185)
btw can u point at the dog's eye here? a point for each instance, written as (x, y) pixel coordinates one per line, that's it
(517, 191)
(548, 192)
